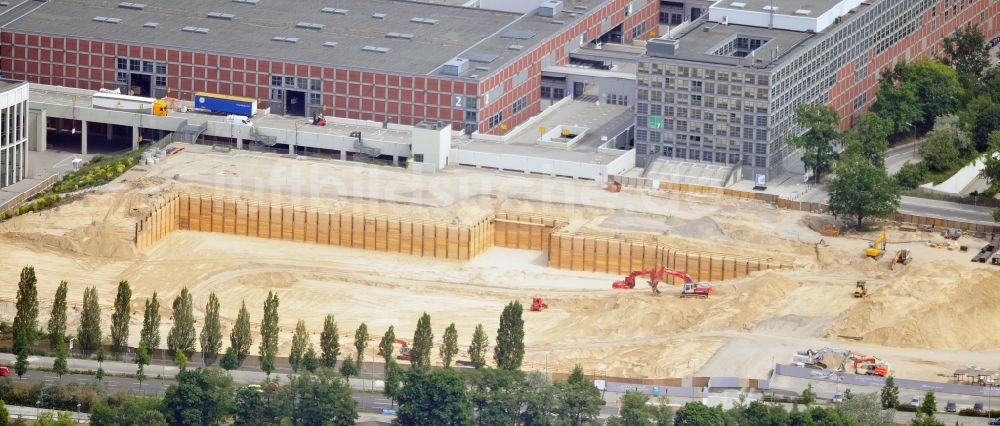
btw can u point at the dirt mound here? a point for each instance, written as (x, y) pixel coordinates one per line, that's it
(634, 221)
(745, 303)
(937, 306)
(704, 228)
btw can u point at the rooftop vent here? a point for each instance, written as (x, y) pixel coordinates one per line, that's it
(285, 39)
(107, 20)
(310, 26)
(220, 15)
(457, 66)
(518, 34)
(803, 12)
(375, 49)
(516, 47)
(127, 5)
(557, 21)
(550, 8)
(334, 10)
(4, 3)
(770, 8)
(245, 1)
(580, 7)
(403, 36)
(425, 21)
(738, 5)
(480, 57)
(378, 15)
(482, 68)
(195, 30)
(151, 24)
(330, 44)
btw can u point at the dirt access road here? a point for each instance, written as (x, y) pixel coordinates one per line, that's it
(928, 319)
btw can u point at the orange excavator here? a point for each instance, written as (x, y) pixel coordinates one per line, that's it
(538, 304)
(404, 349)
(656, 275)
(870, 366)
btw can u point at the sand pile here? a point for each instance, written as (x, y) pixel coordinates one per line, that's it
(703, 228)
(936, 305)
(635, 221)
(744, 303)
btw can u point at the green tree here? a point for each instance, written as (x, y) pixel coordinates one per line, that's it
(309, 360)
(269, 326)
(329, 342)
(120, 319)
(21, 363)
(665, 414)
(59, 366)
(89, 333)
(807, 395)
(393, 378)
(897, 102)
(937, 87)
(255, 406)
(870, 138)
(911, 175)
(386, 346)
(348, 368)
(477, 349)
(987, 121)
(141, 361)
(201, 396)
(496, 395)
(577, 399)
(26, 319)
(100, 364)
(150, 334)
(862, 190)
(817, 142)
(991, 171)
(241, 338)
(929, 404)
(322, 399)
(300, 340)
(267, 363)
(211, 331)
(698, 414)
(940, 153)
(950, 127)
(180, 360)
(449, 349)
(182, 335)
(923, 420)
(361, 342)
(634, 411)
(539, 400)
(57, 318)
(434, 398)
(229, 360)
(866, 409)
(4, 415)
(889, 395)
(966, 50)
(423, 341)
(509, 351)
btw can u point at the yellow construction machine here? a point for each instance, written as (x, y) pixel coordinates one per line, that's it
(902, 257)
(877, 248)
(861, 289)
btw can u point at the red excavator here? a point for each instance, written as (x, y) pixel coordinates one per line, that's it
(537, 303)
(656, 275)
(870, 366)
(404, 349)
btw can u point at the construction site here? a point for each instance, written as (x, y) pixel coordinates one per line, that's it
(627, 282)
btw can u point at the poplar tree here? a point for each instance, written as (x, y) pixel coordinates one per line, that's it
(241, 338)
(26, 320)
(361, 343)
(386, 347)
(89, 333)
(423, 341)
(450, 347)
(211, 331)
(182, 334)
(269, 327)
(150, 334)
(477, 350)
(329, 342)
(57, 318)
(300, 340)
(121, 318)
(509, 350)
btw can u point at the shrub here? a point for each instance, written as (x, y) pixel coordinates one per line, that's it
(909, 408)
(911, 175)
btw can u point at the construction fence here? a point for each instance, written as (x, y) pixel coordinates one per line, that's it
(636, 182)
(303, 224)
(12, 204)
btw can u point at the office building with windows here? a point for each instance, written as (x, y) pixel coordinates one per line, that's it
(724, 90)
(13, 131)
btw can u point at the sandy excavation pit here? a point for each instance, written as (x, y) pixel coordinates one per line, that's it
(930, 318)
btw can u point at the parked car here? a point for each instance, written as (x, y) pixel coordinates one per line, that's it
(995, 421)
(915, 401)
(977, 407)
(950, 407)
(4, 371)
(838, 398)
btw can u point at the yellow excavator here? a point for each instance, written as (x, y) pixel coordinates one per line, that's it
(902, 257)
(861, 290)
(876, 249)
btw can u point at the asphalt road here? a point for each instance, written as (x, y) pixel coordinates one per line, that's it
(898, 155)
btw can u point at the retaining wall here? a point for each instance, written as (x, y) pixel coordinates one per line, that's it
(525, 231)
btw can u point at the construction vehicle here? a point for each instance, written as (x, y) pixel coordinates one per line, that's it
(870, 366)
(538, 304)
(656, 275)
(861, 289)
(876, 249)
(404, 349)
(902, 258)
(692, 289)
(823, 359)
(318, 120)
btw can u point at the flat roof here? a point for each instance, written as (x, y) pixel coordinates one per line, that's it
(8, 84)
(391, 35)
(696, 44)
(783, 7)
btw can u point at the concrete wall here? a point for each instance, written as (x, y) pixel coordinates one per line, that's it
(538, 165)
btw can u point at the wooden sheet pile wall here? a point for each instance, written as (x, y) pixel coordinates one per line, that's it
(525, 231)
(160, 221)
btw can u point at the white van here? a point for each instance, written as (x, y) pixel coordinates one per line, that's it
(238, 119)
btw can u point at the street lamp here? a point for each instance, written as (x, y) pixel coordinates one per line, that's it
(78, 412)
(914, 128)
(38, 409)
(298, 123)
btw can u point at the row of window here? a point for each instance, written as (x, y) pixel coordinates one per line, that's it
(698, 86)
(141, 65)
(699, 100)
(696, 128)
(643, 108)
(657, 69)
(699, 155)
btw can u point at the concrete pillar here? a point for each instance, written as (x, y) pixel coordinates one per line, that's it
(110, 131)
(239, 143)
(41, 131)
(83, 136)
(395, 161)
(135, 137)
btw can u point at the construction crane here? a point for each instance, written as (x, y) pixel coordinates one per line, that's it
(861, 289)
(656, 275)
(538, 304)
(902, 257)
(876, 248)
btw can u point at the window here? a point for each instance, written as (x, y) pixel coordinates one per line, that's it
(161, 81)
(134, 65)
(161, 68)
(546, 92)
(495, 120)
(613, 99)
(315, 84)
(418, 158)
(760, 161)
(761, 148)
(520, 105)
(315, 99)
(122, 63)
(290, 81)
(147, 66)
(121, 77)
(748, 147)
(762, 120)
(277, 94)
(276, 80)
(471, 116)
(760, 134)
(642, 108)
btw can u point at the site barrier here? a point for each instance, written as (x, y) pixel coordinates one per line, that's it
(637, 182)
(19, 199)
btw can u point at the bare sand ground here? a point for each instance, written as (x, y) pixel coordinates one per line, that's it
(931, 317)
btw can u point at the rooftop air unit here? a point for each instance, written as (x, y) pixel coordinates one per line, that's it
(550, 8)
(457, 66)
